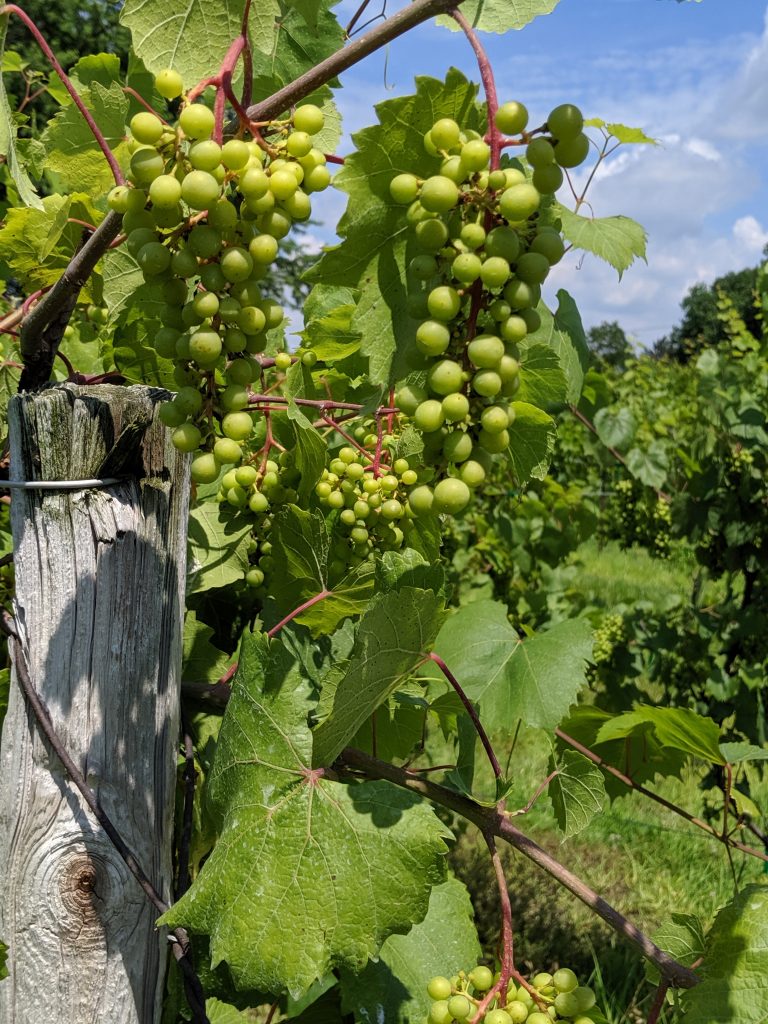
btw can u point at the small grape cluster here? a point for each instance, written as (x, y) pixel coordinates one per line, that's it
(608, 635)
(634, 515)
(485, 252)
(550, 997)
(204, 222)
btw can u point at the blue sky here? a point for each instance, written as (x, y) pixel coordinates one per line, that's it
(693, 75)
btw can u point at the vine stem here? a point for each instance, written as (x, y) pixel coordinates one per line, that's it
(489, 85)
(507, 937)
(298, 611)
(494, 822)
(76, 99)
(471, 712)
(658, 1002)
(631, 784)
(180, 938)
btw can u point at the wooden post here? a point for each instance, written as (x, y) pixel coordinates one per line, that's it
(100, 596)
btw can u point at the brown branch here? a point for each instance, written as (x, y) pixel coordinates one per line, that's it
(492, 822)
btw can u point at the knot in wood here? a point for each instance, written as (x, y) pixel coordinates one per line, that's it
(81, 885)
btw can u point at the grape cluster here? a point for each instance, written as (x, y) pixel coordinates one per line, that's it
(554, 997)
(634, 515)
(608, 635)
(484, 251)
(204, 222)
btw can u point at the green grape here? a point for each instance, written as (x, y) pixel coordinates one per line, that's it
(542, 981)
(237, 264)
(503, 242)
(584, 994)
(550, 245)
(237, 425)
(135, 201)
(467, 267)
(439, 194)
(254, 577)
(532, 319)
(537, 1017)
(167, 216)
(409, 397)
(299, 205)
(117, 199)
(308, 118)
(317, 179)
(205, 305)
(146, 165)
(455, 407)
(199, 190)
(282, 184)
(572, 152)
(165, 342)
(532, 268)
(146, 128)
(171, 415)
(460, 1007)
(154, 258)
(518, 1011)
(451, 496)
(473, 236)
(513, 329)
(169, 83)
(548, 179)
(511, 118)
(521, 295)
(519, 202)
(263, 249)
(472, 473)
(420, 500)
(540, 152)
(276, 223)
(197, 121)
(439, 1013)
(487, 383)
(253, 183)
(392, 509)
(431, 234)
(508, 369)
(242, 371)
(186, 438)
(138, 238)
(234, 397)
(204, 469)
(429, 416)
(205, 155)
(140, 219)
(182, 352)
(445, 377)
(298, 144)
(189, 400)
(566, 1004)
(443, 302)
(247, 294)
(513, 177)
(454, 169)
(485, 351)
(273, 313)
(404, 188)
(481, 978)
(499, 1016)
(423, 267)
(432, 337)
(251, 320)
(457, 446)
(283, 361)
(235, 154)
(565, 121)
(475, 154)
(494, 419)
(495, 272)
(205, 347)
(234, 340)
(565, 980)
(184, 263)
(445, 133)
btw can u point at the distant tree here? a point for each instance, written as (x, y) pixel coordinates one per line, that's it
(609, 344)
(700, 327)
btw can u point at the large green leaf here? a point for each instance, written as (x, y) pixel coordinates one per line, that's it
(307, 874)
(372, 257)
(649, 465)
(735, 968)
(394, 987)
(542, 381)
(218, 547)
(577, 792)
(615, 429)
(683, 938)
(532, 441)
(617, 240)
(536, 680)
(125, 288)
(678, 728)
(8, 141)
(500, 15)
(563, 332)
(393, 638)
(286, 44)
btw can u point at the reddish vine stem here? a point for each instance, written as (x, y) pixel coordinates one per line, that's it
(507, 937)
(471, 712)
(147, 106)
(50, 56)
(631, 784)
(489, 85)
(219, 109)
(298, 611)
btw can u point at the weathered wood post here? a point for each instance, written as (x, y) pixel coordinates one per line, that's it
(100, 591)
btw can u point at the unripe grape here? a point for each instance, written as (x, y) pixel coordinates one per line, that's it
(585, 997)
(486, 383)
(519, 202)
(429, 416)
(485, 351)
(548, 179)
(513, 329)
(167, 216)
(521, 295)
(475, 154)
(565, 980)
(550, 245)
(205, 155)
(451, 496)
(445, 133)
(298, 144)
(317, 179)
(432, 337)
(439, 194)
(532, 319)
(275, 223)
(154, 258)
(189, 401)
(299, 205)
(204, 469)
(263, 249)
(203, 240)
(235, 154)
(565, 121)
(251, 320)
(184, 263)
(308, 118)
(186, 438)
(117, 199)
(420, 501)
(146, 128)
(542, 981)
(511, 118)
(282, 184)
(165, 342)
(146, 165)
(499, 1016)
(253, 183)
(409, 397)
(199, 190)
(455, 407)
(439, 1013)
(205, 305)
(532, 268)
(494, 419)
(572, 152)
(242, 371)
(503, 242)
(169, 83)
(171, 415)
(431, 234)
(495, 272)
(454, 169)
(423, 267)
(566, 1004)
(472, 473)
(445, 377)
(537, 1017)
(443, 303)
(481, 978)
(283, 360)
(473, 236)
(137, 220)
(205, 347)
(273, 313)
(392, 509)
(540, 152)
(457, 446)
(467, 267)
(237, 264)
(197, 121)
(460, 1007)
(237, 425)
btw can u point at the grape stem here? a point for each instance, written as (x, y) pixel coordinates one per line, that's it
(658, 1002)
(147, 106)
(507, 937)
(303, 607)
(489, 85)
(468, 706)
(76, 98)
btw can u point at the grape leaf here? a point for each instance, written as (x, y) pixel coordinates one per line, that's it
(682, 937)
(8, 142)
(191, 36)
(331, 871)
(621, 132)
(125, 287)
(201, 661)
(679, 728)
(394, 987)
(532, 441)
(218, 547)
(536, 680)
(376, 236)
(309, 451)
(615, 429)
(650, 465)
(103, 68)
(577, 792)
(733, 988)
(408, 568)
(72, 152)
(735, 752)
(542, 381)
(285, 45)
(617, 240)
(328, 329)
(392, 639)
(224, 1013)
(563, 332)
(499, 15)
